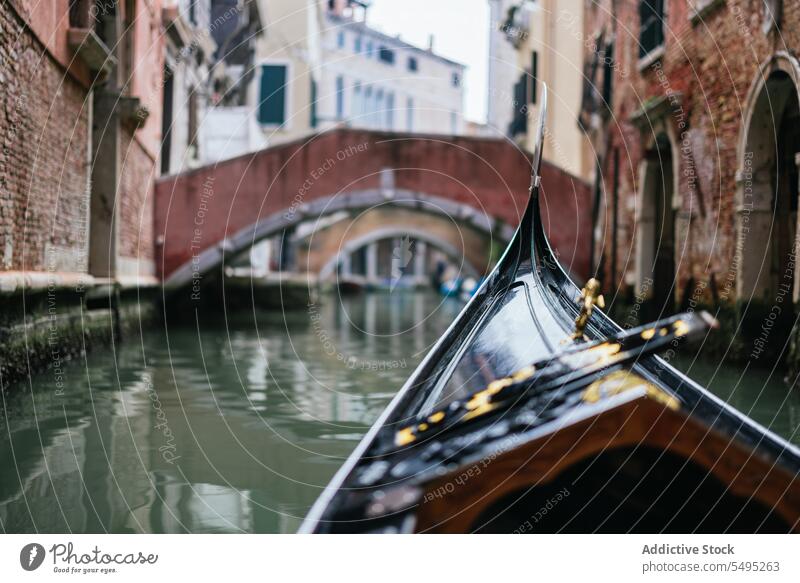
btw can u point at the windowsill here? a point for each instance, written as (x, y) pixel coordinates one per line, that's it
(702, 9)
(651, 58)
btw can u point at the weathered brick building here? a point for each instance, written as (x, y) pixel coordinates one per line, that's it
(80, 92)
(693, 112)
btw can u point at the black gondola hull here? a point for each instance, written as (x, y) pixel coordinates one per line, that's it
(633, 448)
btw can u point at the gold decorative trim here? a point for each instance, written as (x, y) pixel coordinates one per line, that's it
(620, 381)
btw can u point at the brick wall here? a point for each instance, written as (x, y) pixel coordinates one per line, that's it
(137, 173)
(44, 135)
(712, 62)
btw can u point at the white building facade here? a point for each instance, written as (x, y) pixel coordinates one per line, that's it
(229, 127)
(188, 56)
(372, 80)
(320, 65)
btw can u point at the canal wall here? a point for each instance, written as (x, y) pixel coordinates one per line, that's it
(77, 160)
(49, 319)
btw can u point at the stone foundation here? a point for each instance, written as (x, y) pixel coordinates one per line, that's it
(51, 320)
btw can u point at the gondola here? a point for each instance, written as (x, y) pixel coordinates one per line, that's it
(535, 412)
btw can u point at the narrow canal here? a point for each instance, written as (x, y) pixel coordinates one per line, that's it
(237, 426)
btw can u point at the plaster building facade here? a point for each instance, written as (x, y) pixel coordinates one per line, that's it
(546, 37)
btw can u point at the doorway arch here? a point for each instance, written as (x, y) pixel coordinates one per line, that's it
(767, 185)
(655, 245)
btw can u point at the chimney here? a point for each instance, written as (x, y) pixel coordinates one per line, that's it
(430, 43)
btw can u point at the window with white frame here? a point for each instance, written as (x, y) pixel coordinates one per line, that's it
(367, 108)
(390, 111)
(339, 97)
(355, 108)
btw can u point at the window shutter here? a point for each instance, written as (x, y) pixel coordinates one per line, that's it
(313, 107)
(608, 74)
(272, 108)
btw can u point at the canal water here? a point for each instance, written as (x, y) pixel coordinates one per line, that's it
(237, 425)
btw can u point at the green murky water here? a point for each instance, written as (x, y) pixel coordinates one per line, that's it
(237, 426)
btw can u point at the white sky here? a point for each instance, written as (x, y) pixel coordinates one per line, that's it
(461, 31)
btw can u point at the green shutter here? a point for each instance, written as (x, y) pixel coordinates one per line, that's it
(272, 108)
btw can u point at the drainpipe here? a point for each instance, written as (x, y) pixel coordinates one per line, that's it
(614, 217)
(595, 215)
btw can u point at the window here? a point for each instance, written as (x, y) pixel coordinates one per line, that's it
(313, 109)
(412, 64)
(519, 119)
(192, 118)
(366, 106)
(272, 107)
(339, 97)
(772, 15)
(386, 55)
(608, 75)
(390, 111)
(534, 74)
(80, 13)
(651, 30)
(410, 114)
(370, 49)
(166, 121)
(193, 11)
(128, 46)
(105, 24)
(357, 44)
(340, 39)
(456, 80)
(356, 106)
(379, 108)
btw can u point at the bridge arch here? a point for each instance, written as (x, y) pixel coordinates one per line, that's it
(217, 255)
(394, 232)
(208, 214)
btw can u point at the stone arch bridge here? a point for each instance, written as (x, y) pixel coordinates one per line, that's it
(445, 192)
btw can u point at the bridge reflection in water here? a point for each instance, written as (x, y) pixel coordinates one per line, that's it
(236, 428)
